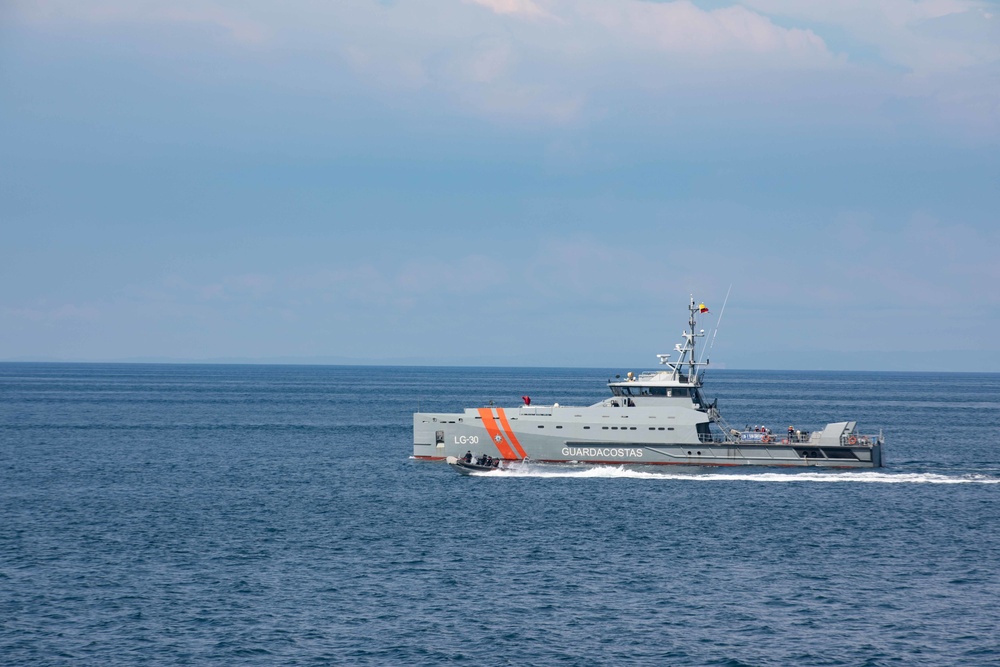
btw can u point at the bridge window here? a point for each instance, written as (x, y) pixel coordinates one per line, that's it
(670, 391)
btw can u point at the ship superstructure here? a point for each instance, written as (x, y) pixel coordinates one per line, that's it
(656, 417)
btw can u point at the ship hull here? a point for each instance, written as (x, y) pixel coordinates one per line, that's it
(626, 436)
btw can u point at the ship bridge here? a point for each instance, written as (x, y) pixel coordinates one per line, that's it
(677, 384)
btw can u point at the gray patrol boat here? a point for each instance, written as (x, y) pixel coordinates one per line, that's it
(658, 417)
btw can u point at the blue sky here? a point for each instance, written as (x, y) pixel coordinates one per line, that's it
(513, 182)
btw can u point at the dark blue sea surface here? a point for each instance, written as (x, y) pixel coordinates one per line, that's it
(264, 515)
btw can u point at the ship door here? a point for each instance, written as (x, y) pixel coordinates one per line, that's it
(439, 438)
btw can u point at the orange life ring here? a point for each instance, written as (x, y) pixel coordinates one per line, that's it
(852, 440)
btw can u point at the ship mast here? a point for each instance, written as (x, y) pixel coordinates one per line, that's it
(686, 350)
(689, 346)
(692, 370)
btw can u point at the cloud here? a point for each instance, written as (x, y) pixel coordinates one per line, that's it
(523, 8)
(925, 36)
(573, 62)
(948, 50)
(557, 69)
(683, 28)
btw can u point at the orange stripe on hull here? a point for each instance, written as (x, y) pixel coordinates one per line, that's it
(491, 427)
(509, 432)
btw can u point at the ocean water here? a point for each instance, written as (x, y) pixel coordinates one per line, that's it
(262, 515)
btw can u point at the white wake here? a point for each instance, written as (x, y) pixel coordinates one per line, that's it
(617, 472)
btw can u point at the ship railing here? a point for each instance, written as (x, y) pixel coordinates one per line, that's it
(860, 439)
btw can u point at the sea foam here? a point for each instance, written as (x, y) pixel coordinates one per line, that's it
(621, 472)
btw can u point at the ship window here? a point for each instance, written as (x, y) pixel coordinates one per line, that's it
(541, 426)
(604, 428)
(652, 428)
(670, 428)
(614, 428)
(670, 391)
(617, 391)
(586, 428)
(632, 427)
(558, 426)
